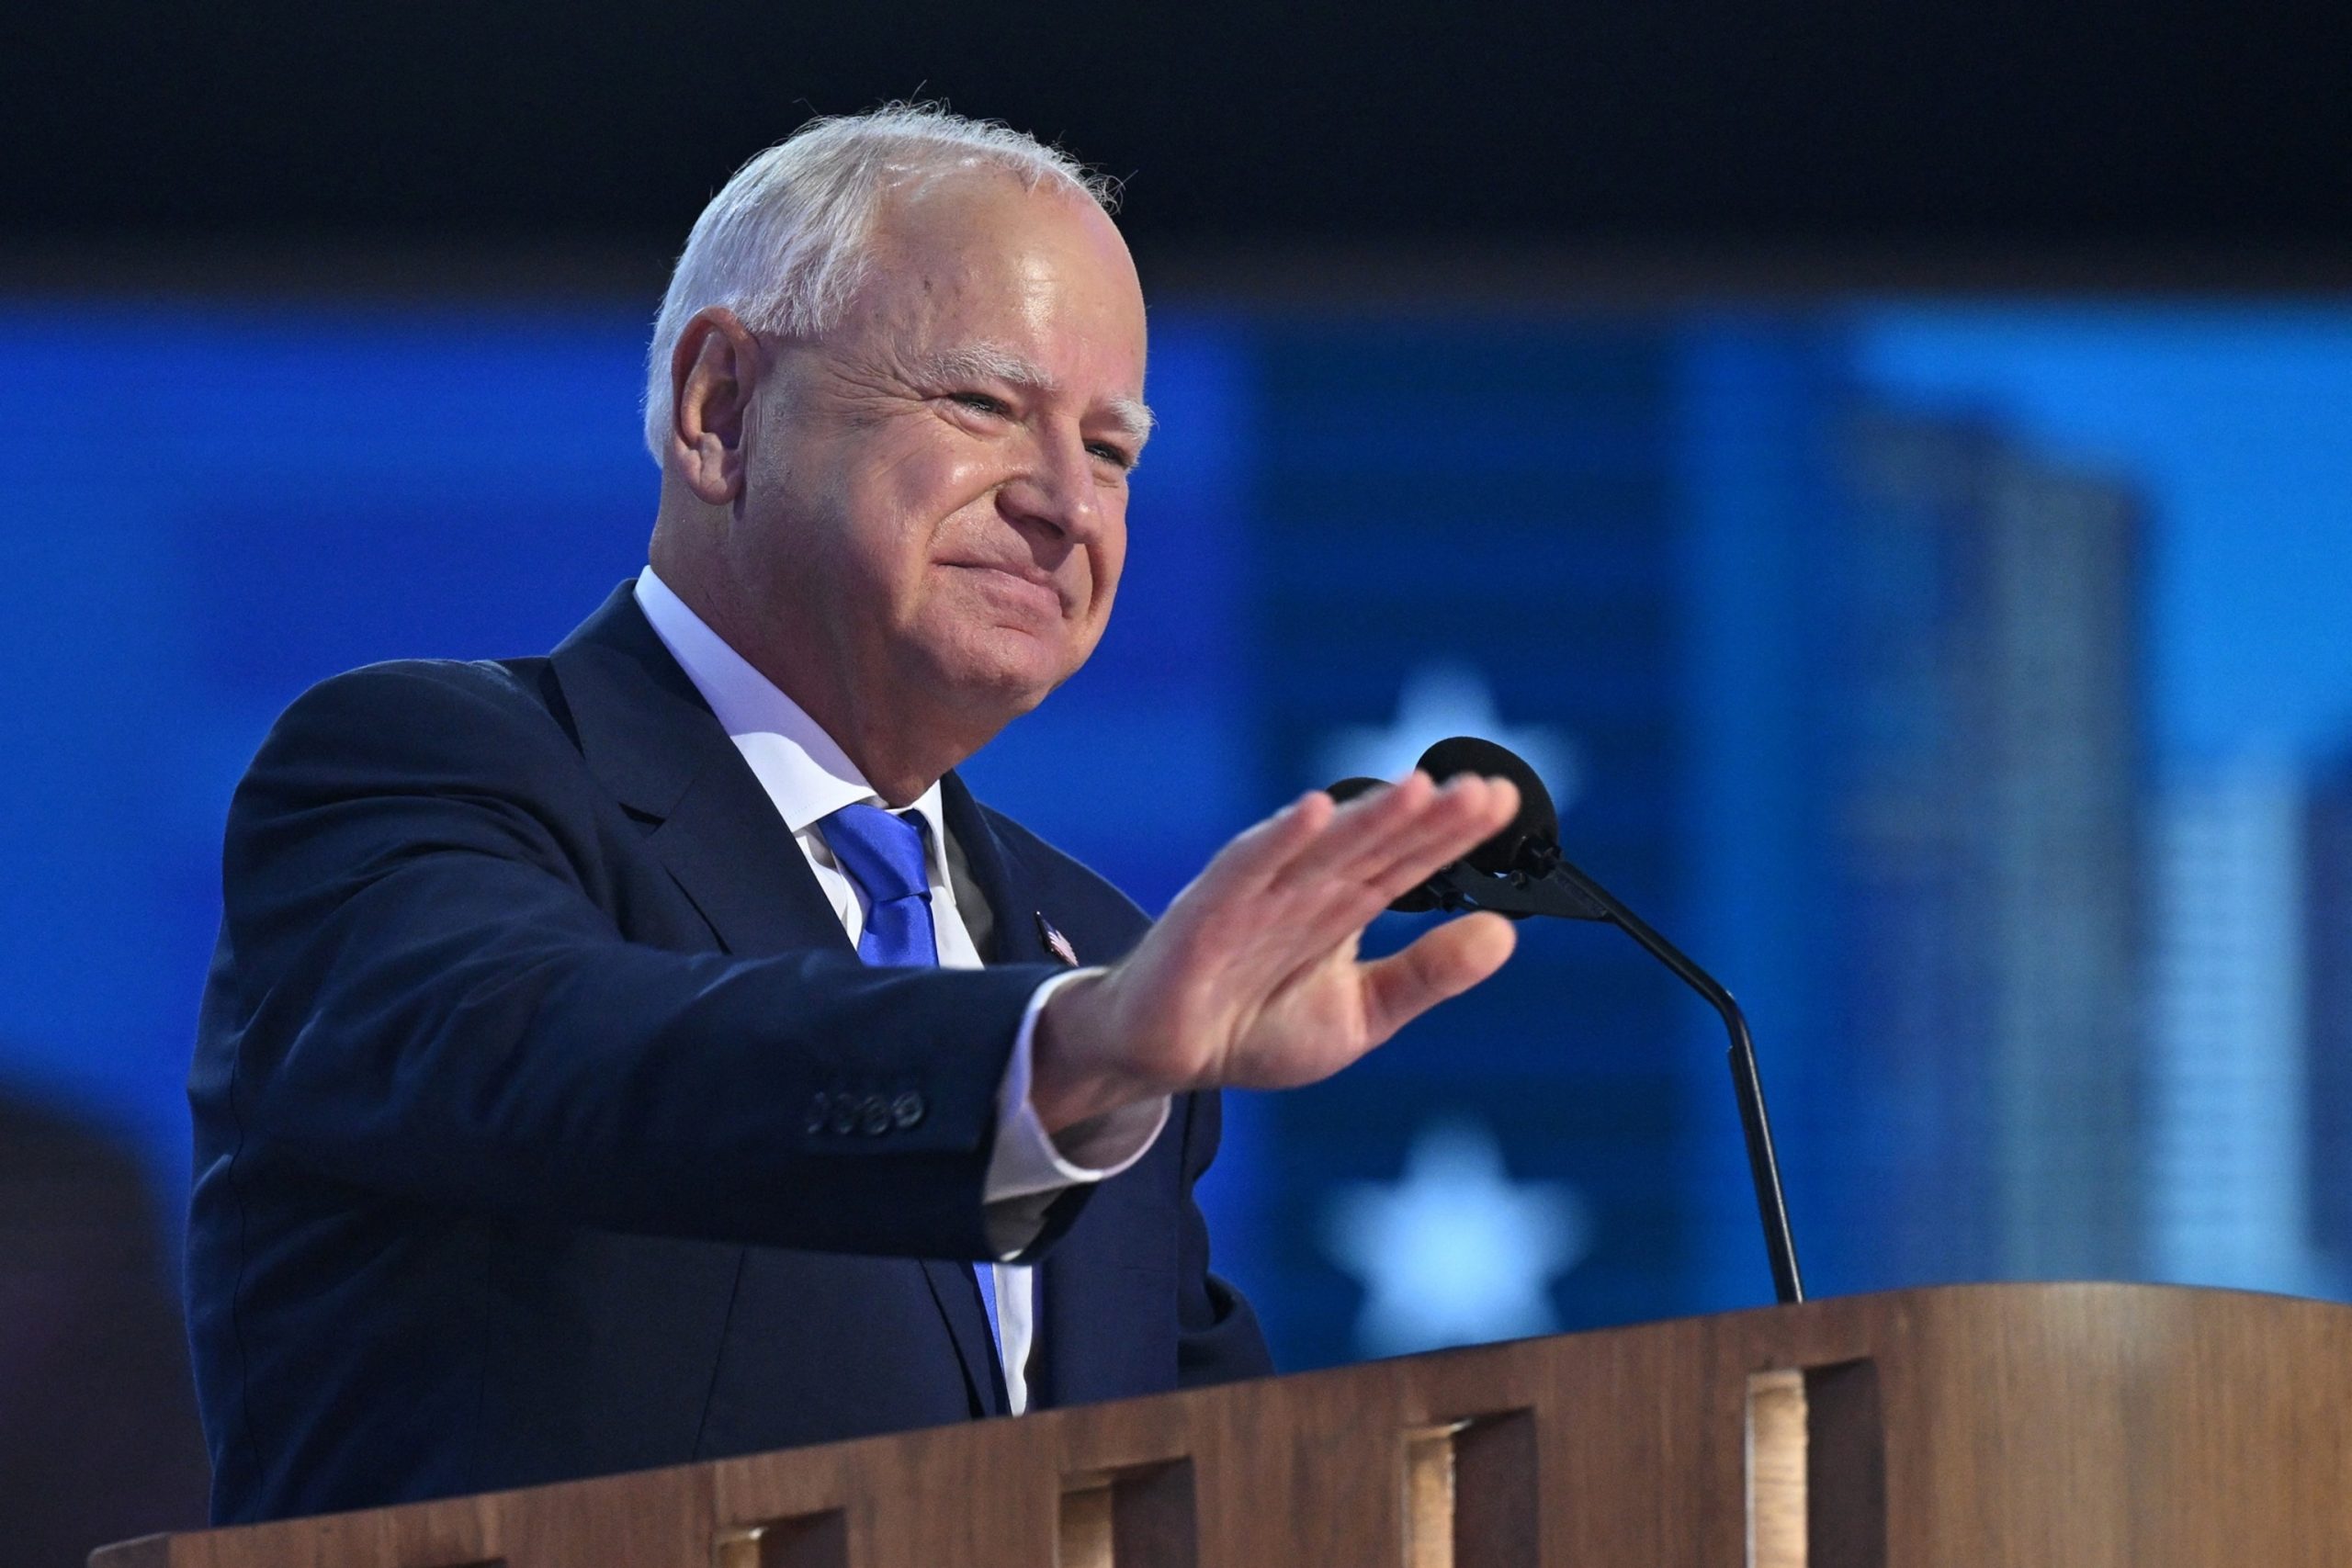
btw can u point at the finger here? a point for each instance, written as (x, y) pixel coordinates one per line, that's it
(1260, 852)
(1357, 828)
(1460, 814)
(1344, 900)
(1441, 963)
(1483, 808)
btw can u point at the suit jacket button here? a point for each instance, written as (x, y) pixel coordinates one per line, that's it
(845, 1118)
(821, 1111)
(907, 1110)
(873, 1115)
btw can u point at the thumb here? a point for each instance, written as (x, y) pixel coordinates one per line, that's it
(1441, 963)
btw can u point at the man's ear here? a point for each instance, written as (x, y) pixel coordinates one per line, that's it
(713, 372)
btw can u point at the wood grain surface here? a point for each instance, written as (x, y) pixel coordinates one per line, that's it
(1969, 1427)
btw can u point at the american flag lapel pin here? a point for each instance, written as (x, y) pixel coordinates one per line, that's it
(1056, 943)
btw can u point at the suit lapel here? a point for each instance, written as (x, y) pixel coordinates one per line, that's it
(1011, 940)
(959, 1295)
(1066, 1289)
(648, 736)
(727, 848)
(1013, 937)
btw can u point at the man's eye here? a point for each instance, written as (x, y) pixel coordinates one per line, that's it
(979, 403)
(1117, 457)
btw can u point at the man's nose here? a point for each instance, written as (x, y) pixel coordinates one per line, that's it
(1054, 488)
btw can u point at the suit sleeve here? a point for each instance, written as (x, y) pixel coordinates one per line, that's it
(421, 994)
(1217, 1339)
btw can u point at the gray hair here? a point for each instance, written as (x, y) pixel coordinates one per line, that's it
(785, 243)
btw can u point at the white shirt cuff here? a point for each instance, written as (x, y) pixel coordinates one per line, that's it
(1029, 1168)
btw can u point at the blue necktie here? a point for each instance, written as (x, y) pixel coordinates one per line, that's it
(883, 854)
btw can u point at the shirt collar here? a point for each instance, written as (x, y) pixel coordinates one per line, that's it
(805, 772)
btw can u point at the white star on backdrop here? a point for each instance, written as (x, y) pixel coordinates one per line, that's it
(1436, 701)
(1455, 1252)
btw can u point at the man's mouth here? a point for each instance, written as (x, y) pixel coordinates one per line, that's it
(1017, 584)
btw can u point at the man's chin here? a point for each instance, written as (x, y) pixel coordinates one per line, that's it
(1005, 673)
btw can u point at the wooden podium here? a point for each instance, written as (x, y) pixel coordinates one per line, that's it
(1973, 1426)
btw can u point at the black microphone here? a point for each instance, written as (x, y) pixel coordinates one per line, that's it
(1520, 872)
(1537, 822)
(1504, 875)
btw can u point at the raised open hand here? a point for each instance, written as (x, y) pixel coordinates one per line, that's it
(1251, 978)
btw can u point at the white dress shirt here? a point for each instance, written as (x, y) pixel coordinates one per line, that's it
(809, 777)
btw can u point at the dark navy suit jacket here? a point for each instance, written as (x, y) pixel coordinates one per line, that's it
(547, 1125)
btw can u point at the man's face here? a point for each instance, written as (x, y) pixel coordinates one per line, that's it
(935, 489)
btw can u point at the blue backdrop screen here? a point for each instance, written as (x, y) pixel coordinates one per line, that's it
(1913, 663)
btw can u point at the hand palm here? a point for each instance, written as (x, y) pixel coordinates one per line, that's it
(1252, 978)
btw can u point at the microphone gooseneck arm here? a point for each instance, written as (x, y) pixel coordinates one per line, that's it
(1552, 886)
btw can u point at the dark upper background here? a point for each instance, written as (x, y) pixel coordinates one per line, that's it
(1982, 129)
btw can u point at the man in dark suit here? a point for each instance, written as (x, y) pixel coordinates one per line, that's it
(652, 1052)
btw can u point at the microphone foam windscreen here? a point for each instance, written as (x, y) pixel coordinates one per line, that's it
(1537, 822)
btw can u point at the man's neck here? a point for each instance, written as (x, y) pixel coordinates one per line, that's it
(900, 745)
